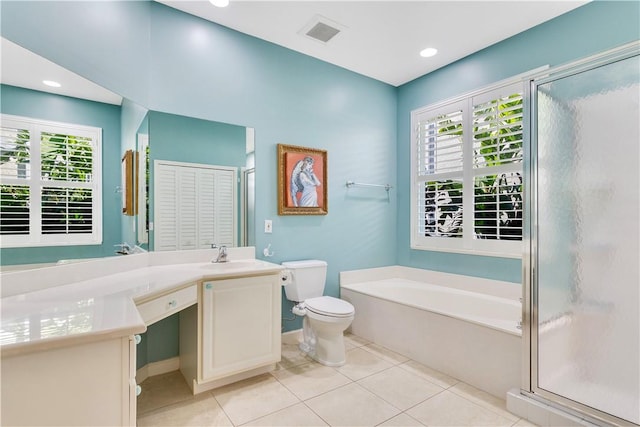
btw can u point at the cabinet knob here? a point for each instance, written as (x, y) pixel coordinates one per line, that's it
(173, 304)
(138, 390)
(208, 286)
(138, 339)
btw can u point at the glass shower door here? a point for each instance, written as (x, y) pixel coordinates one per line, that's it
(586, 287)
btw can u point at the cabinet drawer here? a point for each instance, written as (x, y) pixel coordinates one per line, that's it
(166, 305)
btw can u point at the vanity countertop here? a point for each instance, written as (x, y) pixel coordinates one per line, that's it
(103, 306)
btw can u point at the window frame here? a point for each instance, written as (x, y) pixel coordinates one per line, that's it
(468, 244)
(35, 237)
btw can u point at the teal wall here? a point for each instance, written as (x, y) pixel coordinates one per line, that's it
(585, 31)
(45, 106)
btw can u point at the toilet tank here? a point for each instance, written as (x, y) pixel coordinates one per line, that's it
(307, 279)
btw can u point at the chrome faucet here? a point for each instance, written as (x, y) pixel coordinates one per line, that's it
(125, 249)
(222, 253)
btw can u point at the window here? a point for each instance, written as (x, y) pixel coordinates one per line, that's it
(50, 183)
(467, 176)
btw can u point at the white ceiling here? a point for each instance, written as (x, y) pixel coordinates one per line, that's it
(23, 68)
(379, 39)
(382, 39)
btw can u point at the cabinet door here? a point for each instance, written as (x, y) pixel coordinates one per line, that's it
(88, 384)
(240, 325)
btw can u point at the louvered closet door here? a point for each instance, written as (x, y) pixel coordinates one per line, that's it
(194, 207)
(224, 191)
(166, 208)
(187, 208)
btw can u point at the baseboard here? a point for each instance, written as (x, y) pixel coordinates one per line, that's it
(157, 368)
(292, 337)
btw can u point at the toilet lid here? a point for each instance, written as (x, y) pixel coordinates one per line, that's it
(329, 306)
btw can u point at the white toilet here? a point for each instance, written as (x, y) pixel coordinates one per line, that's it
(325, 318)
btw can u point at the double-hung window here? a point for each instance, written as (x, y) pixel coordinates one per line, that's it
(50, 183)
(467, 176)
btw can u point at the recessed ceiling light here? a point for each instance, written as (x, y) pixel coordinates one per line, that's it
(219, 3)
(428, 52)
(51, 83)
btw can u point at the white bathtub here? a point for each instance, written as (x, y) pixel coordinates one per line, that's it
(435, 319)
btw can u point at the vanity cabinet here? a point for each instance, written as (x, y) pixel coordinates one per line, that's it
(80, 385)
(238, 331)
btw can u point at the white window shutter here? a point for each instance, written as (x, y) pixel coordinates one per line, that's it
(51, 183)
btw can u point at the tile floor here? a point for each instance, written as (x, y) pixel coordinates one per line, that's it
(376, 387)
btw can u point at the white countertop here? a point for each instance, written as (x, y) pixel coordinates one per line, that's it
(102, 306)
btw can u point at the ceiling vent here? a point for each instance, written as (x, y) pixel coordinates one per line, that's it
(321, 29)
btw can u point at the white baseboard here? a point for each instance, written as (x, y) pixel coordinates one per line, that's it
(157, 368)
(292, 337)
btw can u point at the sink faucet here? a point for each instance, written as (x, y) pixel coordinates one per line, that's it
(125, 249)
(222, 253)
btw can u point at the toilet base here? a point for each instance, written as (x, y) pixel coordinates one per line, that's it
(326, 348)
(304, 347)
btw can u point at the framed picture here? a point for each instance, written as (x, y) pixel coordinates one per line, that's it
(302, 181)
(129, 183)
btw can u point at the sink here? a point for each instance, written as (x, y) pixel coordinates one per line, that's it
(237, 265)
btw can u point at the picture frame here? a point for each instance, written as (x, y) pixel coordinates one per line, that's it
(129, 183)
(302, 180)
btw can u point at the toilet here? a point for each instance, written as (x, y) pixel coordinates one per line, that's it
(324, 318)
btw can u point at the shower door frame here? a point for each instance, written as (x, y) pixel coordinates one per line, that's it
(530, 313)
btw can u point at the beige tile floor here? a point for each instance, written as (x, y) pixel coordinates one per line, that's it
(375, 387)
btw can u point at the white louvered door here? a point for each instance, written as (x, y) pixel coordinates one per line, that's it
(194, 206)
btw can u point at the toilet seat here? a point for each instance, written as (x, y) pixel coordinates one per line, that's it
(329, 306)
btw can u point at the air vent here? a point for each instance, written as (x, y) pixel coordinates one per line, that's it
(321, 29)
(322, 32)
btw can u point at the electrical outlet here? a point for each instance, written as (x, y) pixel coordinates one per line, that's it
(268, 226)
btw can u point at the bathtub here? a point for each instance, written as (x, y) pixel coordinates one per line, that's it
(466, 327)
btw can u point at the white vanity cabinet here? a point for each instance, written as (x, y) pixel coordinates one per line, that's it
(89, 384)
(238, 324)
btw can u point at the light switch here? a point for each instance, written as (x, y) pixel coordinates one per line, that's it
(268, 226)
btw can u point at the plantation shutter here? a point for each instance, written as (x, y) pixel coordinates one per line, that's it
(50, 192)
(194, 206)
(497, 163)
(440, 167)
(467, 185)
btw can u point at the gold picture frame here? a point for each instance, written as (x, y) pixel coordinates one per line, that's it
(302, 180)
(129, 183)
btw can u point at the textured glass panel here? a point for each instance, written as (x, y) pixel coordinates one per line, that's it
(588, 216)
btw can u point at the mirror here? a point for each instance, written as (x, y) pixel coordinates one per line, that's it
(204, 167)
(153, 135)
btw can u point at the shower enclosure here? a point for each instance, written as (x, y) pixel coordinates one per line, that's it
(582, 269)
